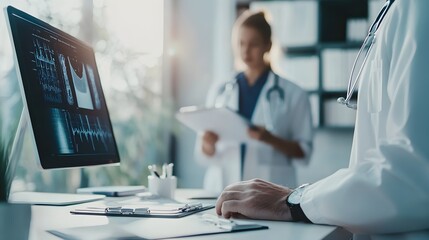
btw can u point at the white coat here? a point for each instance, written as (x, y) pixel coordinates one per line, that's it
(384, 193)
(292, 121)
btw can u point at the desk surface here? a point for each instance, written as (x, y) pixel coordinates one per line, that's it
(53, 217)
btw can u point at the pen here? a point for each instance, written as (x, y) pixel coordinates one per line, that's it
(164, 170)
(151, 170)
(170, 170)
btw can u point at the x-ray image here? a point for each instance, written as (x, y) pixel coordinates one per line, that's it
(94, 87)
(81, 87)
(69, 95)
(62, 138)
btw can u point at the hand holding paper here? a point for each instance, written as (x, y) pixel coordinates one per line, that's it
(209, 143)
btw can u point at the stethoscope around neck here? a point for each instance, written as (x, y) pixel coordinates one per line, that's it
(275, 97)
(363, 56)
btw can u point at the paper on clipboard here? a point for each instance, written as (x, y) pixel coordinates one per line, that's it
(227, 124)
(150, 229)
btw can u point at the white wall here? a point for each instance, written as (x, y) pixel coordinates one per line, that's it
(200, 36)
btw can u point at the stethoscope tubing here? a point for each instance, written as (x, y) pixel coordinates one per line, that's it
(229, 87)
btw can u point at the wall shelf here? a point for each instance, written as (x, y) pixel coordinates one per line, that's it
(301, 51)
(331, 37)
(341, 45)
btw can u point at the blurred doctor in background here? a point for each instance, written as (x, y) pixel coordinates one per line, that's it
(384, 193)
(278, 109)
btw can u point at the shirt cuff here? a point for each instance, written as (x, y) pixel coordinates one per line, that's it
(308, 205)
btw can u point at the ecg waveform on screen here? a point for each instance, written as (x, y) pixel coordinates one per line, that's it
(44, 58)
(90, 134)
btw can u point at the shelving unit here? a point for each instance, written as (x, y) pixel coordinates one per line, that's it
(332, 22)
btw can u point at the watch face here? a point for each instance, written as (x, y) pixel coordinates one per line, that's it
(295, 197)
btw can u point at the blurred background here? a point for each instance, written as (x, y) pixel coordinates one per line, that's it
(155, 56)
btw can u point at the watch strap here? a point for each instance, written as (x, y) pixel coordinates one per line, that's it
(295, 209)
(297, 214)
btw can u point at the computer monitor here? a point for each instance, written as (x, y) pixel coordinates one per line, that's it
(61, 89)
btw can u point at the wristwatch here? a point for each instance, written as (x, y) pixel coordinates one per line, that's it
(293, 201)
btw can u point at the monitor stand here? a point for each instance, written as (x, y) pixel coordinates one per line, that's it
(58, 199)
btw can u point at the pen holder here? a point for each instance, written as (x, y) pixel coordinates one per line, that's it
(163, 187)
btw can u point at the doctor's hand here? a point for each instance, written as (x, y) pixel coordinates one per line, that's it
(288, 147)
(209, 143)
(256, 199)
(259, 133)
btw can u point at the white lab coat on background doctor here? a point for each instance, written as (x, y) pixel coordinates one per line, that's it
(385, 191)
(290, 119)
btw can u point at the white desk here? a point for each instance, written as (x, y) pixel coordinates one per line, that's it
(51, 217)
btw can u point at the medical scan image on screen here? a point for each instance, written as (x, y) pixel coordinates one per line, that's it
(67, 84)
(63, 92)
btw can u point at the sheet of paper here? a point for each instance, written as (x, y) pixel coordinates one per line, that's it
(150, 229)
(230, 126)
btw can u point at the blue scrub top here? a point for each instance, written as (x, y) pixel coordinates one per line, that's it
(247, 99)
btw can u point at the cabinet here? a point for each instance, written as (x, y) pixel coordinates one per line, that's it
(319, 40)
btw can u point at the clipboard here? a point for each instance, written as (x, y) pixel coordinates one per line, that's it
(145, 211)
(207, 224)
(229, 125)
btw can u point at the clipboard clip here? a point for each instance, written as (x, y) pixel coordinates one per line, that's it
(144, 210)
(219, 222)
(191, 207)
(126, 211)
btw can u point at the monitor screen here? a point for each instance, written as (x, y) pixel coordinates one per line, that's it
(62, 91)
